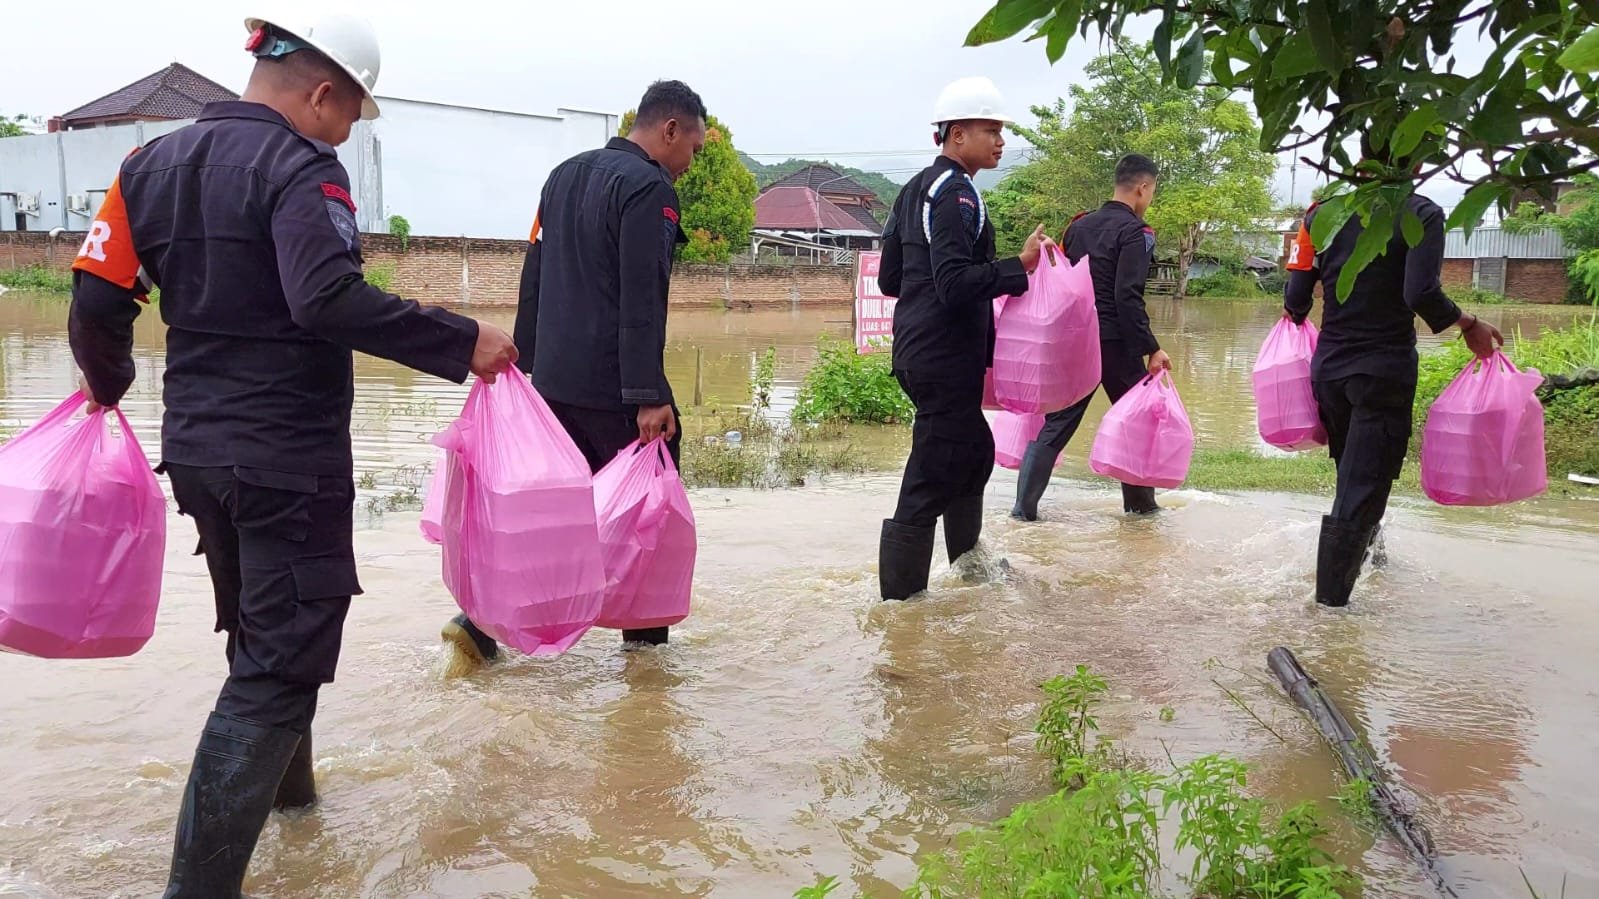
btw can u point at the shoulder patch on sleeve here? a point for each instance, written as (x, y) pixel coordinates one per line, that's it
(335, 192)
(342, 214)
(107, 251)
(1302, 253)
(1149, 239)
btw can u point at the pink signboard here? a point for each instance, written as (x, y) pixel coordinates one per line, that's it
(874, 313)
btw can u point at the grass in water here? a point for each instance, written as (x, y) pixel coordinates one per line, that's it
(36, 278)
(1354, 798)
(1099, 836)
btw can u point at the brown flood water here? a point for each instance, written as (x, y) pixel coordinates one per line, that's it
(796, 726)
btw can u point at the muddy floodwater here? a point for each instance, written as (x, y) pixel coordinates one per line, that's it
(797, 727)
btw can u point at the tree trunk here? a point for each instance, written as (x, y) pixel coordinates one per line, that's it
(1187, 246)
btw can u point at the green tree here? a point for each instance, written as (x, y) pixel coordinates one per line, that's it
(1214, 178)
(717, 196)
(1577, 225)
(12, 127)
(1529, 114)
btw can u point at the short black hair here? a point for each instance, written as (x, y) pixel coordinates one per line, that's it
(669, 100)
(1134, 166)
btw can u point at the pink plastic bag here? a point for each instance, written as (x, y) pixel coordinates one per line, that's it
(83, 528)
(1483, 442)
(1012, 432)
(432, 524)
(521, 548)
(1046, 341)
(647, 539)
(1285, 405)
(1145, 439)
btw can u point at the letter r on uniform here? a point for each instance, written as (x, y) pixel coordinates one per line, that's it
(94, 244)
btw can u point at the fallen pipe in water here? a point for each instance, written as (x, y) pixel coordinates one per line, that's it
(1357, 760)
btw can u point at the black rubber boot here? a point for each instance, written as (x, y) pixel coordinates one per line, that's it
(649, 636)
(1032, 479)
(1139, 500)
(1339, 555)
(237, 769)
(297, 791)
(474, 643)
(903, 558)
(963, 525)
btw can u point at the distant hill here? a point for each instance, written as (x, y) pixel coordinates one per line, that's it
(885, 188)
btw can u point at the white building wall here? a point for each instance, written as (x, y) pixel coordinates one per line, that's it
(450, 170)
(456, 170)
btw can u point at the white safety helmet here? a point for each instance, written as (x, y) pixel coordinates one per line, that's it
(346, 39)
(970, 99)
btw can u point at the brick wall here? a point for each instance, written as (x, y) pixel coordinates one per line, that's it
(1536, 280)
(22, 249)
(487, 272)
(1457, 274)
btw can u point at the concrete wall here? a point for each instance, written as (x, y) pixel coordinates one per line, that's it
(34, 165)
(457, 170)
(475, 271)
(447, 169)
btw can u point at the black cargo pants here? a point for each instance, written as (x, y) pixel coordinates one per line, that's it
(1368, 421)
(280, 551)
(952, 447)
(1120, 371)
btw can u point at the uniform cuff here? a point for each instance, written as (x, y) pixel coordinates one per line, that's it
(1012, 276)
(641, 397)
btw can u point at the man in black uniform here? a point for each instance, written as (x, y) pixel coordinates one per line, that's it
(938, 259)
(591, 323)
(1120, 248)
(245, 221)
(1364, 370)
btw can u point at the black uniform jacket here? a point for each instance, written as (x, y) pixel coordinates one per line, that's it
(591, 322)
(1120, 248)
(938, 259)
(1373, 330)
(248, 228)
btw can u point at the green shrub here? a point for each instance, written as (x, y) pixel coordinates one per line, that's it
(1226, 284)
(381, 276)
(1274, 282)
(849, 387)
(37, 278)
(400, 227)
(1473, 296)
(1102, 840)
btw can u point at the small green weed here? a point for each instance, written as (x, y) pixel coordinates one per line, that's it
(1168, 715)
(381, 276)
(1068, 732)
(765, 377)
(1101, 840)
(1472, 296)
(36, 278)
(400, 227)
(1354, 798)
(847, 386)
(821, 890)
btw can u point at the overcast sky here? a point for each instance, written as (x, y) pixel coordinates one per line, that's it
(850, 80)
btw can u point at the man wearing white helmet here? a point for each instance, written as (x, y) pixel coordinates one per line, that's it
(245, 221)
(938, 259)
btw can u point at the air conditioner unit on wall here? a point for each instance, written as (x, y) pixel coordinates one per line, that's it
(28, 203)
(78, 204)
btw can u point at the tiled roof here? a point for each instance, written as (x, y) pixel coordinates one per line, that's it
(797, 208)
(864, 216)
(175, 92)
(826, 179)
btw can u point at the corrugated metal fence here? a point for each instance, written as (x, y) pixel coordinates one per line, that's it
(1497, 243)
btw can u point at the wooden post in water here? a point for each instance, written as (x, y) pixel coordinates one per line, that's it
(1359, 764)
(699, 377)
